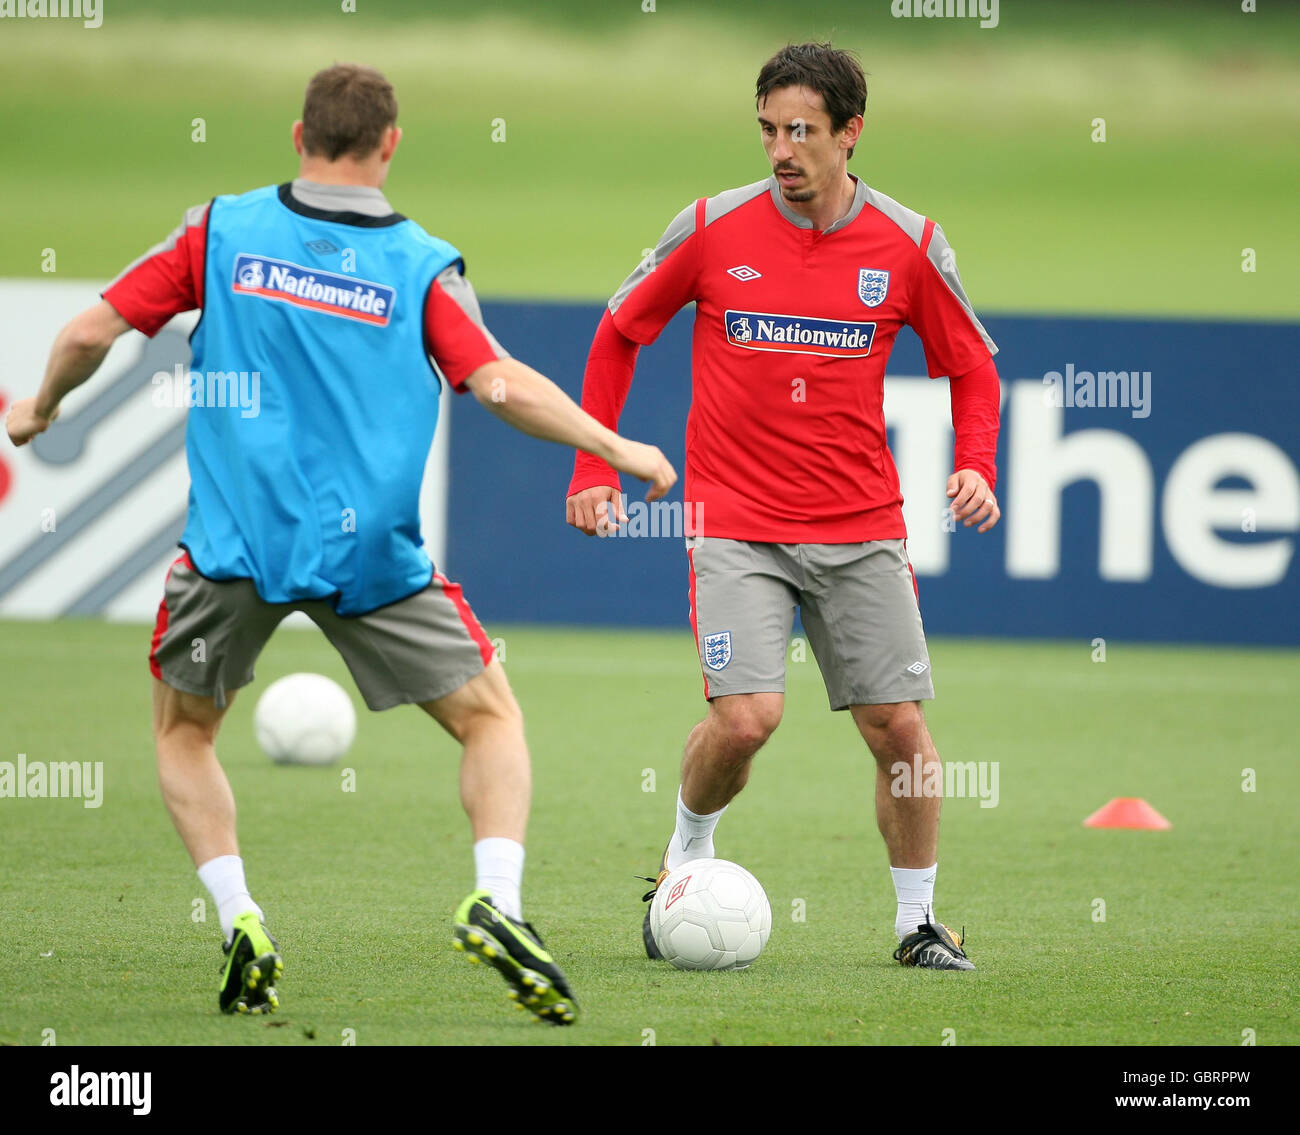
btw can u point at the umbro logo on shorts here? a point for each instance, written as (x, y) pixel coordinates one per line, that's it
(918, 668)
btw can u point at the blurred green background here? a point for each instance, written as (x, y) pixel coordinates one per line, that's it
(617, 117)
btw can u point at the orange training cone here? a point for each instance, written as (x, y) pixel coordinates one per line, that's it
(1127, 812)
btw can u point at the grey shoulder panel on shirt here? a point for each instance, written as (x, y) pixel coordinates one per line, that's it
(459, 289)
(730, 199)
(906, 219)
(680, 229)
(193, 216)
(940, 254)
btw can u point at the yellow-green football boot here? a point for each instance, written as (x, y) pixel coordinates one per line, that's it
(252, 968)
(516, 950)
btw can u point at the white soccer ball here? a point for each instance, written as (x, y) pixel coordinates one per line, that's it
(710, 914)
(305, 719)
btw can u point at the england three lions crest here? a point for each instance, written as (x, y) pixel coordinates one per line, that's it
(873, 286)
(717, 650)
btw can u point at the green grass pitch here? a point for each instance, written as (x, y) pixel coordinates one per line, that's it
(360, 886)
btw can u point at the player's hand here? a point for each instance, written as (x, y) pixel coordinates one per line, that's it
(973, 501)
(595, 511)
(645, 463)
(23, 422)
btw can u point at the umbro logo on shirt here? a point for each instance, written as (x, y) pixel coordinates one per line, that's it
(744, 273)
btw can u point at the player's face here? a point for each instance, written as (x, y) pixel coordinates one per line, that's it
(807, 156)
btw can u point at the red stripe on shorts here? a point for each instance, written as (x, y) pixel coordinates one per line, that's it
(476, 632)
(915, 590)
(160, 626)
(695, 630)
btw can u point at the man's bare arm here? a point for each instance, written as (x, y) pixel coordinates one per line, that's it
(76, 354)
(534, 405)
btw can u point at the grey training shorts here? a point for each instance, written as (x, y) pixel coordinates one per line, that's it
(859, 609)
(210, 632)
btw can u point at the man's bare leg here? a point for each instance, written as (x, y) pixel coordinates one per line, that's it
(198, 796)
(496, 792)
(201, 805)
(909, 822)
(495, 778)
(194, 785)
(716, 765)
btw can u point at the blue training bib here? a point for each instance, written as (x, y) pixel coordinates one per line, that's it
(308, 440)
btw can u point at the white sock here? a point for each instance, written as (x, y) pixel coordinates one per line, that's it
(224, 878)
(499, 864)
(915, 890)
(693, 837)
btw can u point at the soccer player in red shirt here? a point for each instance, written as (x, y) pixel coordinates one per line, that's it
(801, 283)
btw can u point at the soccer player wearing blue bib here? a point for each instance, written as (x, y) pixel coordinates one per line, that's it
(345, 314)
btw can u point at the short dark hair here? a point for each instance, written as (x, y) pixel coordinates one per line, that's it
(346, 110)
(832, 72)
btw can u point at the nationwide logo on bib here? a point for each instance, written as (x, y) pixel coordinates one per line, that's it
(800, 334)
(345, 296)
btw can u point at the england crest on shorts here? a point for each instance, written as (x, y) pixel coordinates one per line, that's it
(873, 286)
(717, 650)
